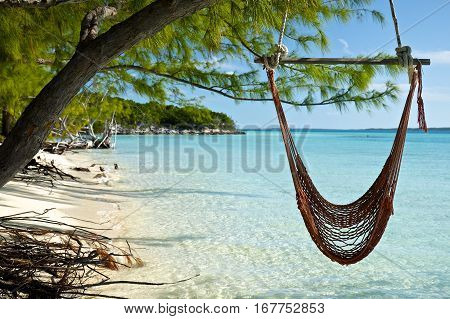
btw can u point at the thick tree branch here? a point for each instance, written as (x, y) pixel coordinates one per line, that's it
(43, 4)
(91, 22)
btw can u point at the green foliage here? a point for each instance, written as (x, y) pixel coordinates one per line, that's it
(200, 50)
(210, 50)
(27, 35)
(95, 109)
(172, 116)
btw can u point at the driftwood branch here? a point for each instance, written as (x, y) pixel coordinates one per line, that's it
(44, 258)
(42, 172)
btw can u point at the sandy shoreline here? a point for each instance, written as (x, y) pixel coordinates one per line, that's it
(90, 201)
(88, 198)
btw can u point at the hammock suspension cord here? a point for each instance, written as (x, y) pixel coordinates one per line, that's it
(406, 60)
(281, 51)
(348, 233)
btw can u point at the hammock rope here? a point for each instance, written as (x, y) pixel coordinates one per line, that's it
(406, 60)
(281, 51)
(348, 233)
(394, 19)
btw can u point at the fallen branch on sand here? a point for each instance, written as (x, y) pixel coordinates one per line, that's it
(40, 171)
(43, 258)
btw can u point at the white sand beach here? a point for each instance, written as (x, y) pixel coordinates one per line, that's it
(90, 198)
(93, 200)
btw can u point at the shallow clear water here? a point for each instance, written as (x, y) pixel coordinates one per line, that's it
(223, 207)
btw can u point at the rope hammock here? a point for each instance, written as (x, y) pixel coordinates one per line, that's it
(348, 233)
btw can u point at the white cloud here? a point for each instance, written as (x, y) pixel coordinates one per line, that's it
(380, 86)
(377, 86)
(440, 57)
(436, 94)
(228, 67)
(345, 46)
(437, 57)
(430, 93)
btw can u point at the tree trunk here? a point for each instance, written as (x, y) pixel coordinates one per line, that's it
(33, 126)
(6, 121)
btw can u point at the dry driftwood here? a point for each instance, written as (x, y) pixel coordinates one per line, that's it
(81, 169)
(43, 258)
(55, 148)
(60, 147)
(39, 171)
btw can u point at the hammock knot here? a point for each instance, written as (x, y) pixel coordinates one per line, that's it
(404, 56)
(405, 59)
(271, 62)
(282, 50)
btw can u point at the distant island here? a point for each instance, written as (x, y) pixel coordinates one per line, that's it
(152, 118)
(93, 123)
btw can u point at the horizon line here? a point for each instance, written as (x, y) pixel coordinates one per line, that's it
(341, 129)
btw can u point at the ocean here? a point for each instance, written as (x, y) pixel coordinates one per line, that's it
(223, 208)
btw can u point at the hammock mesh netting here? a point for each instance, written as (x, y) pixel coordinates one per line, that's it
(348, 233)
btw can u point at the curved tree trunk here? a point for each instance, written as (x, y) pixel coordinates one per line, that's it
(34, 125)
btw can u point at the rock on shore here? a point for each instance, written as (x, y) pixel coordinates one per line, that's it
(153, 130)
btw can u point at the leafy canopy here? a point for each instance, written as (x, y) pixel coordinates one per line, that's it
(192, 53)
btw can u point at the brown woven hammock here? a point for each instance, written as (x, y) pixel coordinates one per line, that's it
(348, 233)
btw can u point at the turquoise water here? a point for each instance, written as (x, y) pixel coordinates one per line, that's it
(223, 207)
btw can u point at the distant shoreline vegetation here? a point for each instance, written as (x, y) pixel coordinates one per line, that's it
(174, 130)
(151, 118)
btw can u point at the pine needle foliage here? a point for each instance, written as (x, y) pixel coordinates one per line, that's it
(210, 51)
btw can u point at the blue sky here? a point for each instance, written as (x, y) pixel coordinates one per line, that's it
(425, 27)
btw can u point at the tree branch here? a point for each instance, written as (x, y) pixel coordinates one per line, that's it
(43, 61)
(338, 98)
(241, 40)
(91, 22)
